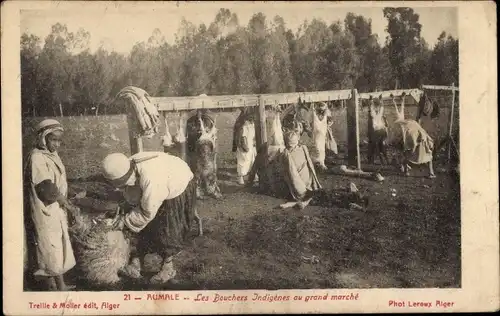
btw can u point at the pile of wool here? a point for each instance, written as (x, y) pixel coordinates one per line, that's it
(100, 251)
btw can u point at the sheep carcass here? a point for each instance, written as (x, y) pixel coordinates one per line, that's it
(100, 251)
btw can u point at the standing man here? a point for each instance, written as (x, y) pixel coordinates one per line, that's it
(162, 190)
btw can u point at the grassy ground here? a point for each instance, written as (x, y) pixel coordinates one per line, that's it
(408, 240)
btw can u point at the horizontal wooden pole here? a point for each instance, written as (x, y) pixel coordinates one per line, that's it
(387, 94)
(450, 88)
(238, 101)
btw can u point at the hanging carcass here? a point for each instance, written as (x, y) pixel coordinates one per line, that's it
(202, 154)
(320, 113)
(377, 132)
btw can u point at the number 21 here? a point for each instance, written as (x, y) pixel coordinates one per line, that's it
(126, 297)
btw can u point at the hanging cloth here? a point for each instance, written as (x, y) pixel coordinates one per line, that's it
(319, 138)
(180, 135)
(167, 138)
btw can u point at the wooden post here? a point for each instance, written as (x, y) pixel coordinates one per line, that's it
(353, 153)
(60, 109)
(135, 143)
(260, 126)
(450, 131)
(183, 145)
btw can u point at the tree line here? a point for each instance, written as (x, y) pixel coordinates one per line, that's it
(225, 57)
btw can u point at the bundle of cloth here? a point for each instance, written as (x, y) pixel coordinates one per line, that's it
(146, 118)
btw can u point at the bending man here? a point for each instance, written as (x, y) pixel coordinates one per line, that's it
(162, 191)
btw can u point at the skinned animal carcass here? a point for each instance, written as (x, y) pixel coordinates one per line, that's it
(205, 170)
(274, 126)
(197, 125)
(377, 132)
(203, 158)
(319, 132)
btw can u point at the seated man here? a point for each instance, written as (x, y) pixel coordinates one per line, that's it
(288, 171)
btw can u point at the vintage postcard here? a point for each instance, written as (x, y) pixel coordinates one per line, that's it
(177, 158)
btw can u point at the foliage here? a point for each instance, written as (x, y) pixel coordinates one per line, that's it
(60, 74)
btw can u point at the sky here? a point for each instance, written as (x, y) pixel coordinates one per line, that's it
(119, 27)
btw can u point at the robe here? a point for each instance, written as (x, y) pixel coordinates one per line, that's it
(52, 242)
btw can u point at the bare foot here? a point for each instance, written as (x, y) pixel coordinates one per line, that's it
(287, 205)
(131, 271)
(67, 288)
(166, 274)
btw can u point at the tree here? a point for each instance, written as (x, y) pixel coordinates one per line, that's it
(261, 55)
(145, 61)
(403, 42)
(339, 62)
(283, 79)
(444, 61)
(226, 58)
(312, 41)
(30, 50)
(369, 51)
(56, 68)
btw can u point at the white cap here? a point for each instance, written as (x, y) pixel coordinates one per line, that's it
(48, 123)
(115, 166)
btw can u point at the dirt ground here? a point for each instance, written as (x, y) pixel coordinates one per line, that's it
(410, 240)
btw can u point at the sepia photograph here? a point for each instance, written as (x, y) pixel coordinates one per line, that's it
(241, 146)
